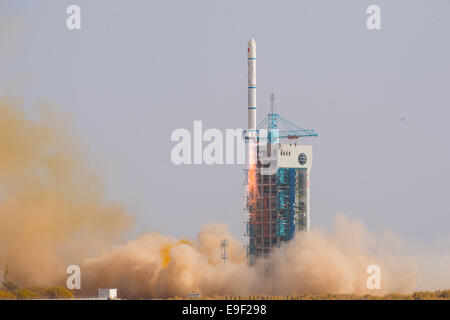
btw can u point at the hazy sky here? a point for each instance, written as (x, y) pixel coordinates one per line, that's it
(137, 70)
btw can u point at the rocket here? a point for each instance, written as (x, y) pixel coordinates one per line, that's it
(252, 87)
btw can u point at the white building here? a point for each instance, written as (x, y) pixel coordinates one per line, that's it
(107, 293)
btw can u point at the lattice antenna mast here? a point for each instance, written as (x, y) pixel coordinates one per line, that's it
(272, 116)
(282, 127)
(272, 103)
(223, 246)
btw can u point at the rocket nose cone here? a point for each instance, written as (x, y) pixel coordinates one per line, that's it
(251, 40)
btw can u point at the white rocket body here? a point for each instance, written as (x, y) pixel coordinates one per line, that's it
(252, 87)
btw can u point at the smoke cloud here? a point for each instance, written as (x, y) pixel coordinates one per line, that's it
(52, 211)
(317, 262)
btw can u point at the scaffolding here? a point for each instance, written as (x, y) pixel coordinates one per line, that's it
(279, 207)
(276, 211)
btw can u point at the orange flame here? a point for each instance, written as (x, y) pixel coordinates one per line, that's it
(252, 186)
(165, 251)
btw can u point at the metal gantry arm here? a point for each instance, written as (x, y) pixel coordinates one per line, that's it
(286, 129)
(278, 127)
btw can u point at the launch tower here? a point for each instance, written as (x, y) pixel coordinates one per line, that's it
(278, 175)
